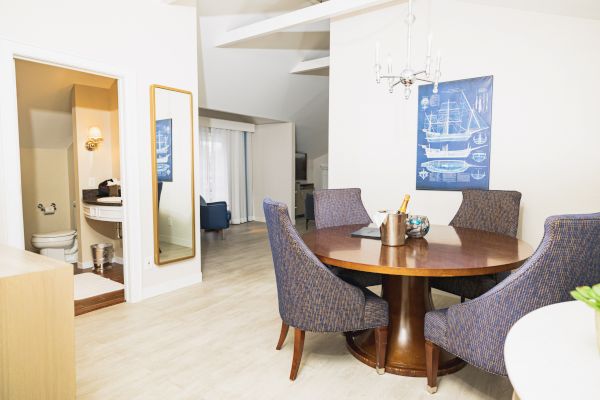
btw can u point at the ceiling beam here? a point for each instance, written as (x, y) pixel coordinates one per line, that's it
(311, 66)
(307, 15)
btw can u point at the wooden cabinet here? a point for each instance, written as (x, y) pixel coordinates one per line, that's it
(37, 346)
(301, 190)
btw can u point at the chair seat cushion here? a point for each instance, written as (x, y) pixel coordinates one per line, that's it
(359, 278)
(436, 327)
(467, 286)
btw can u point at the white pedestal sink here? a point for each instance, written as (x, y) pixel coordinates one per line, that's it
(103, 213)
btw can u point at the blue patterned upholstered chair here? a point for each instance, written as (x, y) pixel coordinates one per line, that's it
(568, 256)
(311, 297)
(487, 210)
(337, 207)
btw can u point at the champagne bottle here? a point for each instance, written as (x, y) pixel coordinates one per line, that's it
(404, 206)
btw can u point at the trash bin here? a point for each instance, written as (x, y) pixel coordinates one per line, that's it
(102, 254)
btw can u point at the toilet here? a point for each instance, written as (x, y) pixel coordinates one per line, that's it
(61, 245)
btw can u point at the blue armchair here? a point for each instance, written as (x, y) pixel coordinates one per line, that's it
(214, 216)
(476, 330)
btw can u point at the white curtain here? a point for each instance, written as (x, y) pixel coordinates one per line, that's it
(226, 171)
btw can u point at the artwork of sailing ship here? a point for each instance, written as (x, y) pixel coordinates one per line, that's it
(164, 152)
(454, 135)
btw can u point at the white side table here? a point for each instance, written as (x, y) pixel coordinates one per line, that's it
(551, 353)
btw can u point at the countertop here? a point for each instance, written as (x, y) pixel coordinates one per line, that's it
(15, 262)
(90, 197)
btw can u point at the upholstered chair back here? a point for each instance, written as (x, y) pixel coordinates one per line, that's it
(336, 207)
(489, 210)
(310, 296)
(568, 256)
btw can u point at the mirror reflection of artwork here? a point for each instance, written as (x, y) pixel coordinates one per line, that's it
(173, 175)
(164, 150)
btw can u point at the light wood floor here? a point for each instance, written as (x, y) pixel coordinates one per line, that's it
(216, 340)
(170, 251)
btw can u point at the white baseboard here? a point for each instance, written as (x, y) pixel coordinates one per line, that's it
(171, 286)
(85, 264)
(90, 264)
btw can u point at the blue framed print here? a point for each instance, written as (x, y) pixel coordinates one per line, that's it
(454, 135)
(164, 150)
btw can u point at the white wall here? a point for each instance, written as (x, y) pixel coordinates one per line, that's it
(315, 171)
(254, 78)
(91, 106)
(152, 42)
(46, 181)
(273, 166)
(546, 86)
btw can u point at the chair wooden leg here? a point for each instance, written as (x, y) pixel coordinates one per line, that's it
(432, 358)
(222, 234)
(462, 299)
(282, 335)
(306, 224)
(381, 334)
(298, 348)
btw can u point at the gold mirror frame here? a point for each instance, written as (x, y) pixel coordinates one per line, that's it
(157, 260)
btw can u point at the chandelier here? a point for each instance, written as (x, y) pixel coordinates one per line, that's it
(409, 76)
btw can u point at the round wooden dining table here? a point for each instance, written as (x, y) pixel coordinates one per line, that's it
(445, 252)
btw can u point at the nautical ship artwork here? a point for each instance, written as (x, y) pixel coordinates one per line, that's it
(454, 135)
(164, 152)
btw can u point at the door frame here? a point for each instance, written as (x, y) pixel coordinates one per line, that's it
(11, 208)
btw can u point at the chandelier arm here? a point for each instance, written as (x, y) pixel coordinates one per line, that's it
(393, 85)
(425, 80)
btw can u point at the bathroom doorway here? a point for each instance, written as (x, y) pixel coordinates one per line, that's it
(69, 142)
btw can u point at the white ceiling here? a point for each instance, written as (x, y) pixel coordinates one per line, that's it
(572, 8)
(44, 101)
(254, 78)
(232, 7)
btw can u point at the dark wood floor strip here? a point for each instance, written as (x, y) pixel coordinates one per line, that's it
(103, 300)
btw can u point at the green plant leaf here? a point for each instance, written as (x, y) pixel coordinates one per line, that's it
(590, 302)
(585, 291)
(596, 290)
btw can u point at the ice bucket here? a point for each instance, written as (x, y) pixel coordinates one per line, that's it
(393, 229)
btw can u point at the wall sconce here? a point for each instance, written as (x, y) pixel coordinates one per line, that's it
(94, 138)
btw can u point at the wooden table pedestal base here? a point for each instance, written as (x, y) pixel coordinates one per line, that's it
(409, 298)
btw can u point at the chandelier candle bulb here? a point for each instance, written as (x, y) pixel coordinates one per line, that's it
(429, 41)
(408, 76)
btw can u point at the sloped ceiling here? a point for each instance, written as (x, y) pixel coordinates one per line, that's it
(44, 101)
(569, 8)
(253, 78)
(234, 7)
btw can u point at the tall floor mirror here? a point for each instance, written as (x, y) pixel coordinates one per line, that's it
(172, 174)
